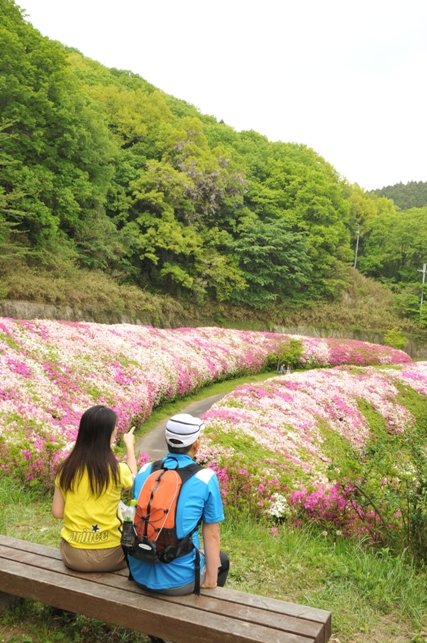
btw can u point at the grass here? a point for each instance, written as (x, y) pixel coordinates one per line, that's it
(29, 622)
(95, 294)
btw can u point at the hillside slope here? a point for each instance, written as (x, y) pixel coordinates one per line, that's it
(101, 170)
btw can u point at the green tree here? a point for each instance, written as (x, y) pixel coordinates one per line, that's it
(274, 261)
(11, 246)
(294, 183)
(59, 143)
(110, 172)
(396, 247)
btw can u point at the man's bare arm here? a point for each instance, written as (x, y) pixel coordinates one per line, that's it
(211, 541)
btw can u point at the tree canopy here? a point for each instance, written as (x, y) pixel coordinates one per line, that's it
(410, 195)
(100, 167)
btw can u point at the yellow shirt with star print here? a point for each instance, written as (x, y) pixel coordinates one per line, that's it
(90, 522)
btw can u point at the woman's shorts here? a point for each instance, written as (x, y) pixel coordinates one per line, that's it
(92, 560)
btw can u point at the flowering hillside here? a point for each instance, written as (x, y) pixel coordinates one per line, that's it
(319, 436)
(51, 371)
(289, 416)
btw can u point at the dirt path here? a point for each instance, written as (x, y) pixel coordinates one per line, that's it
(154, 442)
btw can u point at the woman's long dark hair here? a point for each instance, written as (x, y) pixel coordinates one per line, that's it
(92, 452)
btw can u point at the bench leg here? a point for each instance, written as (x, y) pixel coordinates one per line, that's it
(6, 600)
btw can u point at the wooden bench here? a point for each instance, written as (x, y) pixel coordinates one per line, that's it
(220, 615)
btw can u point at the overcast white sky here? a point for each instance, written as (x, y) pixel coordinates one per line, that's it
(345, 77)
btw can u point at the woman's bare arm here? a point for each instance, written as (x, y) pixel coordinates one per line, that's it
(58, 504)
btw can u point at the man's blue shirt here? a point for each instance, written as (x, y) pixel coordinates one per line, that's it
(200, 499)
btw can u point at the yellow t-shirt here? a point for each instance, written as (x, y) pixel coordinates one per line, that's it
(90, 522)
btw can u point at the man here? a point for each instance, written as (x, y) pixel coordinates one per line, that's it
(199, 500)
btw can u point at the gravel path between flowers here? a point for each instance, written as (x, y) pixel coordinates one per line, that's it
(154, 442)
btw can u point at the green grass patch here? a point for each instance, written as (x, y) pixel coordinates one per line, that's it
(30, 622)
(26, 513)
(334, 446)
(374, 419)
(250, 454)
(415, 403)
(373, 596)
(7, 339)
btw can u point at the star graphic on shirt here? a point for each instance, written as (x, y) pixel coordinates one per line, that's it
(95, 528)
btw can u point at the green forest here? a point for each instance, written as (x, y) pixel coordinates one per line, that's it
(100, 171)
(410, 195)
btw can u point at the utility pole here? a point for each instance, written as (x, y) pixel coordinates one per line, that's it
(422, 287)
(357, 245)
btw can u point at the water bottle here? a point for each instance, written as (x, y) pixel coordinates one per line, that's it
(128, 535)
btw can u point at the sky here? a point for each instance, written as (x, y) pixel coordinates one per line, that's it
(344, 77)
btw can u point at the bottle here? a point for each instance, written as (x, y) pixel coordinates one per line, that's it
(129, 512)
(128, 534)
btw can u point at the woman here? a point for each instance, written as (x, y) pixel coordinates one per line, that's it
(87, 493)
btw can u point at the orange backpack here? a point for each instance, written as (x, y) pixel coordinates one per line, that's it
(154, 521)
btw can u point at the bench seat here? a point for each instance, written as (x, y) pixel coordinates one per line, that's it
(218, 615)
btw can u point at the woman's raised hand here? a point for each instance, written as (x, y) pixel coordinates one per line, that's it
(129, 438)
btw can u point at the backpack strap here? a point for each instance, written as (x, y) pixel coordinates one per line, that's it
(197, 573)
(130, 577)
(187, 472)
(184, 472)
(156, 466)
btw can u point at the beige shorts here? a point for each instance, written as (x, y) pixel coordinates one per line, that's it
(92, 560)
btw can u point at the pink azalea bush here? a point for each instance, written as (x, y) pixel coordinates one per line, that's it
(271, 443)
(51, 371)
(334, 352)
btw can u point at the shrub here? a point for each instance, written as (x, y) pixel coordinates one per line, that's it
(395, 338)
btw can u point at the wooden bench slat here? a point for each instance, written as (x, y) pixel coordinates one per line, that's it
(314, 614)
(26, 545)
(207, 604)
(183, 624)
